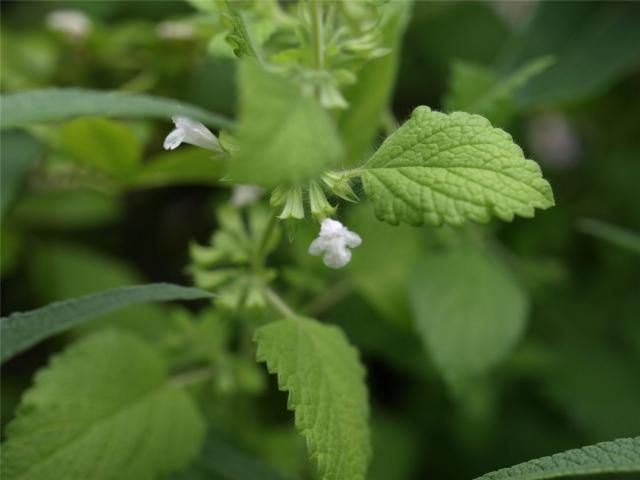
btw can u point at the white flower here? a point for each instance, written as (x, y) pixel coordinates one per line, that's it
(175, 30)
(243, 195)
(333, 240)
(192, 132)
(71, 22)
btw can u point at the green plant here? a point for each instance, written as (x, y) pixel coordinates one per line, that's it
(314, 79)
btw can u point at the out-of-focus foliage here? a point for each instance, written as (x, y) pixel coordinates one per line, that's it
(23, 330)
(90, 204)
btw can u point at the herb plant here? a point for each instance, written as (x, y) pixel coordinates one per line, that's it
(156, 394)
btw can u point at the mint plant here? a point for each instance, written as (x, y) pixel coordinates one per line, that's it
(313, 81)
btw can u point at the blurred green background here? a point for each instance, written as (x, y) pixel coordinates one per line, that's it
(72, 227)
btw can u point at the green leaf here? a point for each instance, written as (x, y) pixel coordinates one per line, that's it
(617, 456)
(11, 250)
(468, 310)
(325, 380)
(598, 392)
(69, 208)
(238, 37)
(579, 35)
(284, 135)
(20, 331)
(369, 96)
(61, 271)
(478, 89)
(184, 166)
(103, 409)
(388, 292)
(203, 5)
(611, 233)
(58, 104)
(439, 168)
(220, 461)
(105, 145)
(19, 150)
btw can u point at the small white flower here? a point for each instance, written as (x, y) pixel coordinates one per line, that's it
(192, 132)
(333, 240)
(175, 30)
(71, 22)
(243, 195)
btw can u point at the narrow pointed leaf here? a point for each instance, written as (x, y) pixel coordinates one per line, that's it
(479, 89)
(20, 331)
(611, 233)
(58, 104)
(617, 456)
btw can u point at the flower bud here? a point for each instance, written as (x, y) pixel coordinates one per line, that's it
(338, 184)
(293, 207)
(320, 206)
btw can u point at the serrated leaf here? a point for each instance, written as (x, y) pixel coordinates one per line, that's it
(58, 104)
(20, 331)
(617, 456)
(19, 150)
(103, 410)
(469, 311)
(284, 135)
(478, 89)
(238, 37)
(325, 380)
(440, 168)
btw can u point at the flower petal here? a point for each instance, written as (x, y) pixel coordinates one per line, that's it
(337, 258)
(195, 133)
(330, 227)
(352, 239)
(174, 139)
(317, 247)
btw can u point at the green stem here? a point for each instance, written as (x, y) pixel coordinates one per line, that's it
(278, 303)
(261, 252)
(353, 172)
(317, 34)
